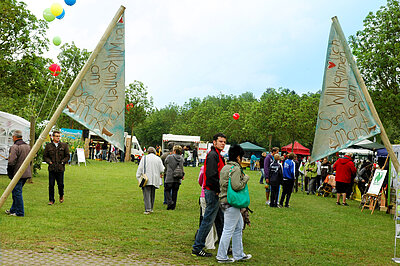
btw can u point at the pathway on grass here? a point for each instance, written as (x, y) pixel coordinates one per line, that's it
(27, 257)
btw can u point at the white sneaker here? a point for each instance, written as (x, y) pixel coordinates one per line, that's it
(246, 257)
(228, 260)
(146, 212)
(267, 202)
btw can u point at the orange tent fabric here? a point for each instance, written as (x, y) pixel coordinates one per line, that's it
(298, 149)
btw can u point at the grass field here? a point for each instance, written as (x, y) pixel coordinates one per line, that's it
(103, 214)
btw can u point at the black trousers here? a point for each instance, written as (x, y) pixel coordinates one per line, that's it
(274, 196)
(53, 177)
(287, 188)
(171, 190)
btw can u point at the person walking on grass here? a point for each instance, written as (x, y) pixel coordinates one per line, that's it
(345, 170)
(174, 176)
(289, 173)
(163, 157)
(56, 155)
(152, 166)
(18, 152)
(213, 213)
(233, 220)
(267, 162)
(311, 174)
(274, 180)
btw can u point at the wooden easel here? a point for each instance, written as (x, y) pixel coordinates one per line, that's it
(372, 199)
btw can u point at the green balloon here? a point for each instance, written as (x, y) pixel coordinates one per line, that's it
(57, 41)
(48, 15)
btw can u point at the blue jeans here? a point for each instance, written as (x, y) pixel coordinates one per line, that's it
(233, 226)
(17, 206)
(212, 214)
(262, 176)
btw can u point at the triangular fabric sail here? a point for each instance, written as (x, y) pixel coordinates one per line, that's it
(98, 102)
(344, 116)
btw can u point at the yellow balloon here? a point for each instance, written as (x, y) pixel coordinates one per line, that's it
(56, 9)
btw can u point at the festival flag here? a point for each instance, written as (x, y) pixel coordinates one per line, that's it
(344, 116)
(99, 100)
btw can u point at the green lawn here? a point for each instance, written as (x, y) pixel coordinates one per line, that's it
(103, 214)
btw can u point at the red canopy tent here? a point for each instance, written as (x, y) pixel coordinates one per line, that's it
(298, 149)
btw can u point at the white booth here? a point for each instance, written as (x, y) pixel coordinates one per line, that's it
(9, 123)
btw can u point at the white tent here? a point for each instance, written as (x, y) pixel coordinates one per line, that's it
(357, 151)
(9, 123)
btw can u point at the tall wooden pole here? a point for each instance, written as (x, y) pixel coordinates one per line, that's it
(360, 80)
(61, 107)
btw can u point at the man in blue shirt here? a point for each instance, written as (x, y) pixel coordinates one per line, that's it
(289, 172)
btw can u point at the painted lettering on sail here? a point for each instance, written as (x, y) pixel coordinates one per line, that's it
(344, 117)
(98, 103)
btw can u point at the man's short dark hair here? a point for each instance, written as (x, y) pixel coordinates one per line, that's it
(291, 156)
(56, 132)
(274, 149)
(234, 152)
(219, 135)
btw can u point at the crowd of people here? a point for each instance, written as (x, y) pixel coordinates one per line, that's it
(288, 172)
(220, 222)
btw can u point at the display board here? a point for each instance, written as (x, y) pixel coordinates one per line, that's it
(377, 181)
(81, 155)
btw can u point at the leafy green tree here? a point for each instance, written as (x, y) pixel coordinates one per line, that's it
(377, 50)
(157, 123)
(22, 41)
(138, 104)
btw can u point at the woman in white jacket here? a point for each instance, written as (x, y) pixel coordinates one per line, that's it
(153, 167)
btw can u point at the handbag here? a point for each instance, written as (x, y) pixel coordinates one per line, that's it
(237, 199)
(143, 177)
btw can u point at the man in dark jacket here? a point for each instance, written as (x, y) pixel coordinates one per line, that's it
(18, 152)
(195, 155)
(274, 179)
(56, 155)
(212, 167)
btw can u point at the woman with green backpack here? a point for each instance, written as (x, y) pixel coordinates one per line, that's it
(233, 181)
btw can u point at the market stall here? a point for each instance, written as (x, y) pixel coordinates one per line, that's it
(9, 123)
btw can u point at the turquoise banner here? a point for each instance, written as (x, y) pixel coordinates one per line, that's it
(98, 102)
(344, 116)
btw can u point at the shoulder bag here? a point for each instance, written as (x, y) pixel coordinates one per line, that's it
(143, 178)
(238, 199)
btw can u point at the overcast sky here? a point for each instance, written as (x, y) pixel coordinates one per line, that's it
(182, 49)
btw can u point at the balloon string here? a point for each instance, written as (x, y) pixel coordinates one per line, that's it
(51, 111)
(47, 92)
(228, 126)
(62, 87)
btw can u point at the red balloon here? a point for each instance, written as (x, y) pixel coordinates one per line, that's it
(55, 70)
(236, 116)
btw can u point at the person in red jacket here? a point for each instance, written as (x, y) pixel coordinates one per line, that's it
(345, 170)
